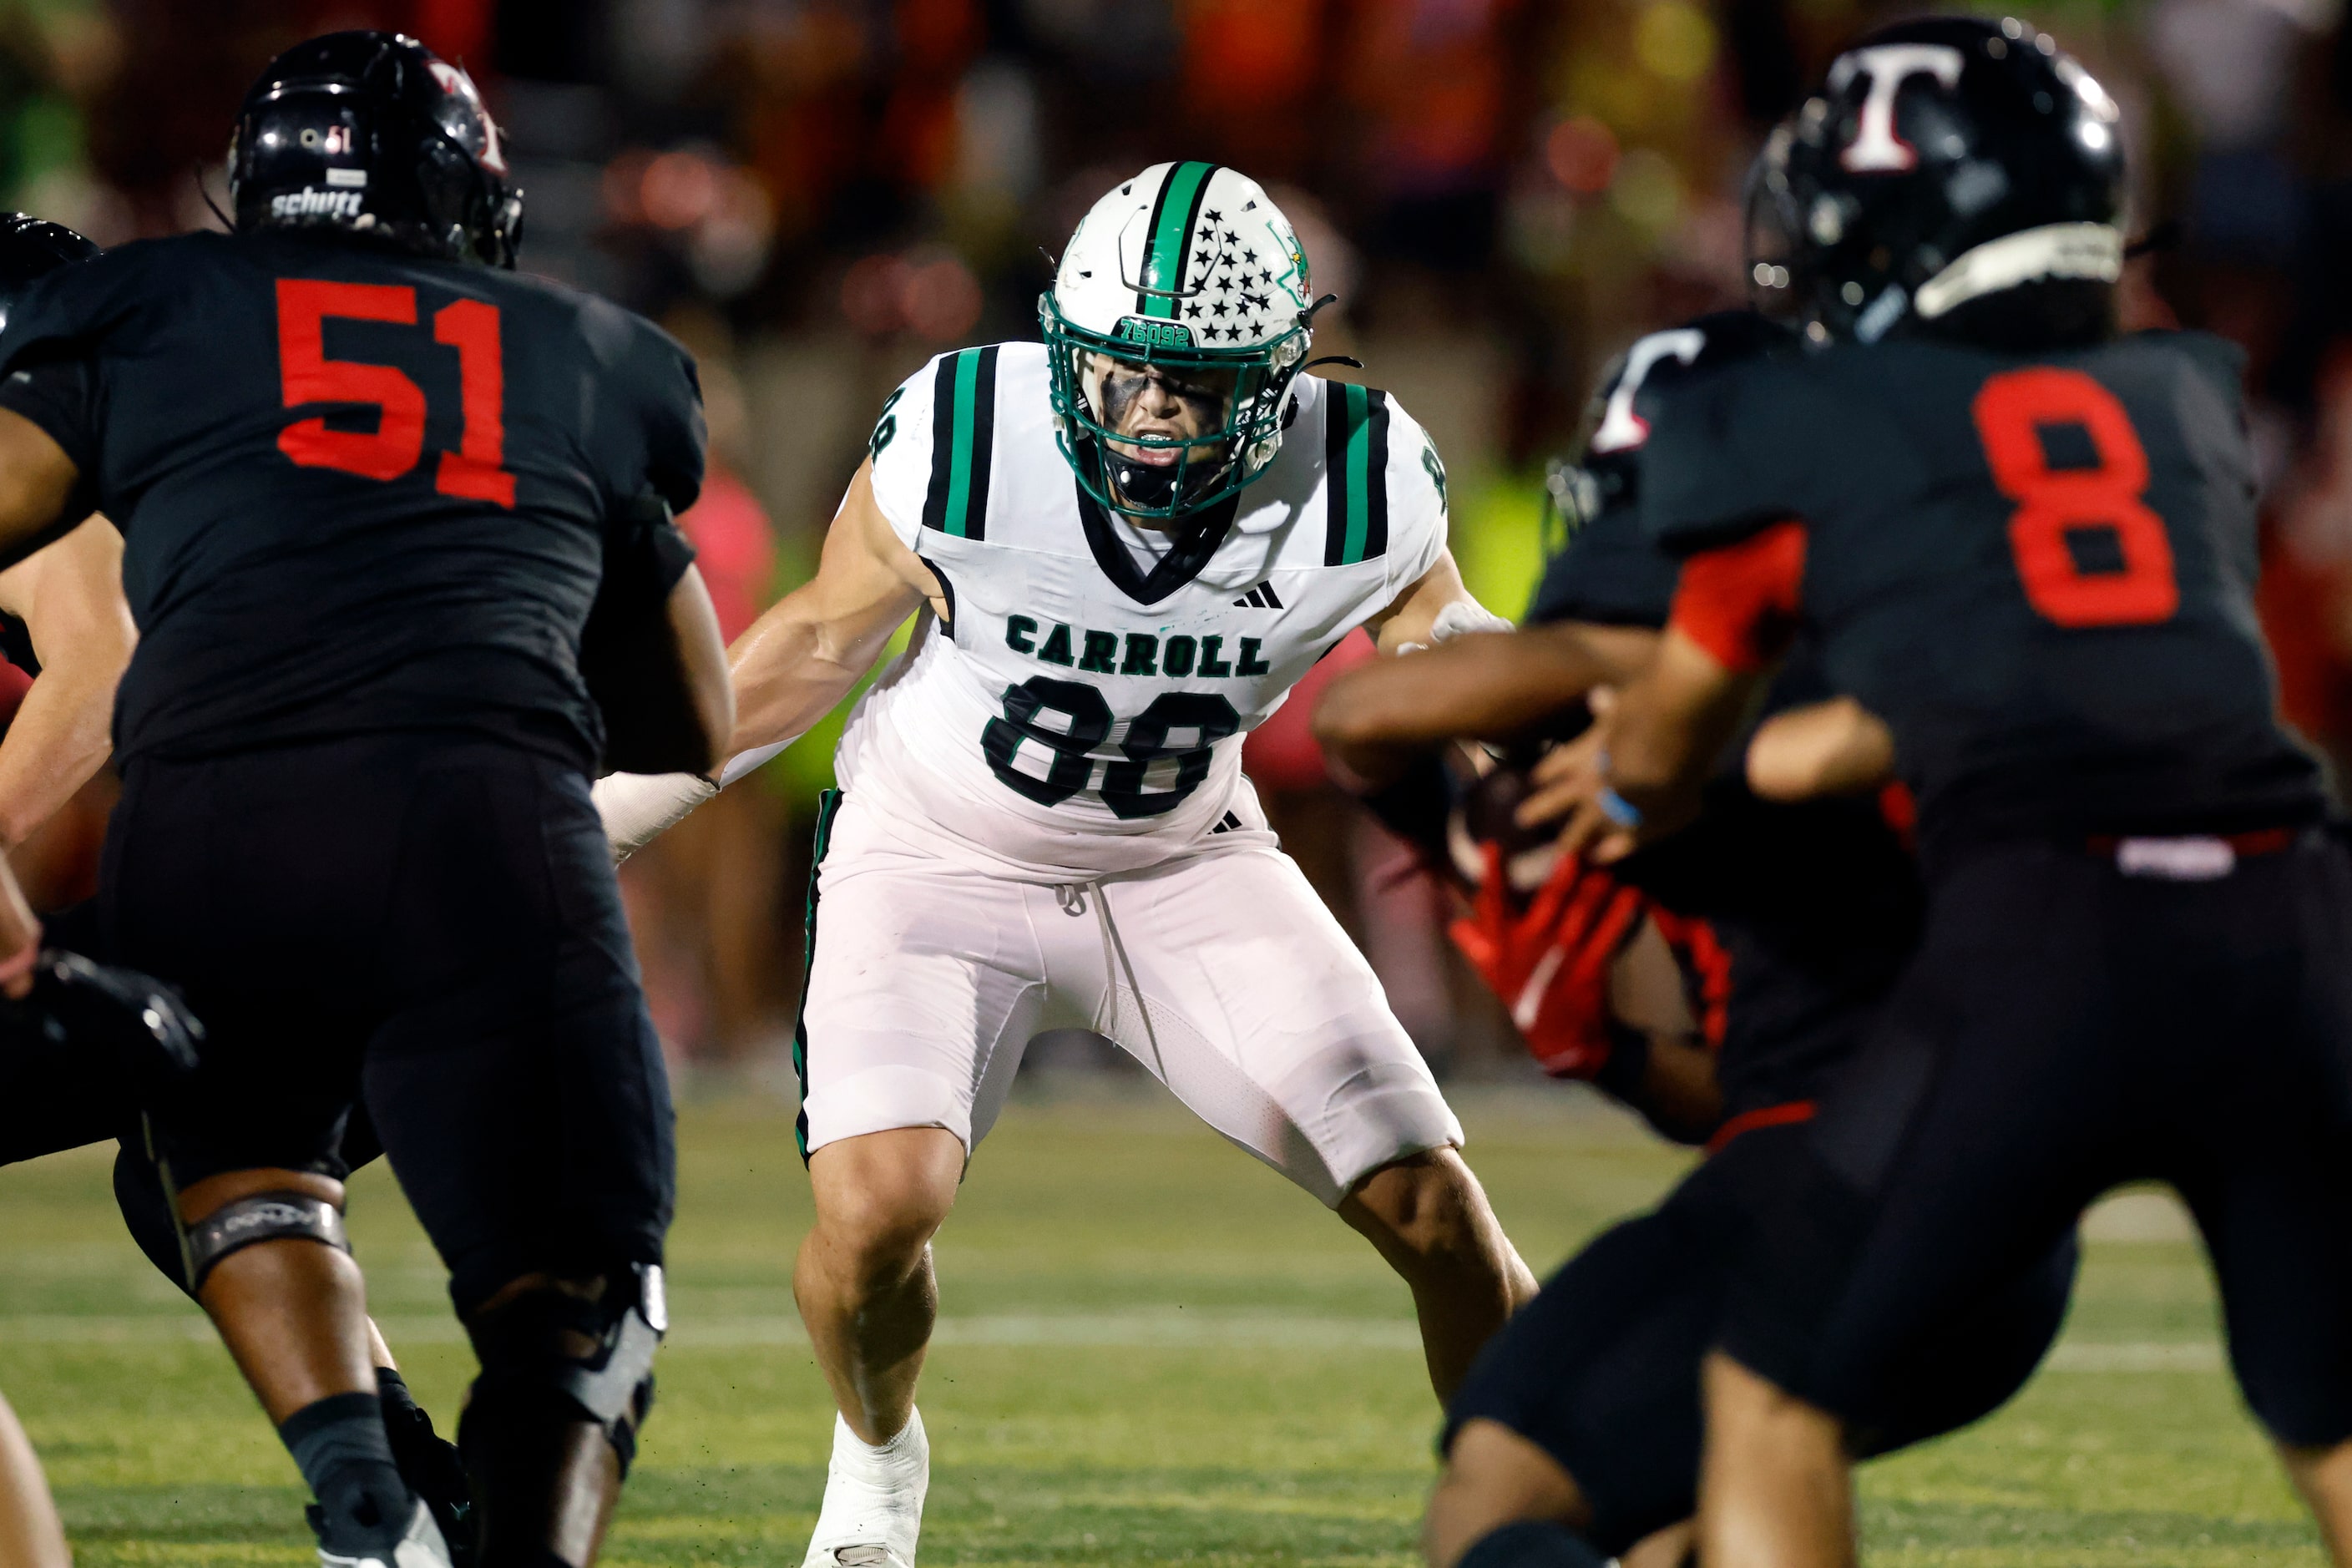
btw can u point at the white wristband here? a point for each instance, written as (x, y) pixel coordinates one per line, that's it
(638, 808)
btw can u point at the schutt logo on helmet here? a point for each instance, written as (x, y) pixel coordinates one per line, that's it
(372, 135)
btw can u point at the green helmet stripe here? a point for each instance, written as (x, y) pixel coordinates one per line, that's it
(1172, 216)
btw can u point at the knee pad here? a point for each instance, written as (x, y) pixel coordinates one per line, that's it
(256, 1217)
(232, 1228)
(551, 1359)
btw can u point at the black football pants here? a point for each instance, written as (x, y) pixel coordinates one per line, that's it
(2065, 1027)
(428, 925)
(1602, 1369)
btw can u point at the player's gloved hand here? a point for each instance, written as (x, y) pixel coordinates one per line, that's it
(638, 808)
(1457, 619)
(1550, 962)
(133, 1016)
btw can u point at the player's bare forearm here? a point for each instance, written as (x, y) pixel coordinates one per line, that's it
(57, 743)
(817, 642)
(1677, 1093)
(69, 597)
(1411, 620)
(799, 659)
(1671, 726)
(1658, 741)
(1375, 717)
(37, 487)
(702, 667)
(1837, 747)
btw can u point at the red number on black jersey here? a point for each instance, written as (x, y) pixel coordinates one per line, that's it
(475, 470)
(2011, 410)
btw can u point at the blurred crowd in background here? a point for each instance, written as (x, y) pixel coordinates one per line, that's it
(816, 195)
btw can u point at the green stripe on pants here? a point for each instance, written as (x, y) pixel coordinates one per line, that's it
(829, 806)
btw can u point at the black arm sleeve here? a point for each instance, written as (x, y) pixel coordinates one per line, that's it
(628, 653)
(1724, 455)
(59, 394)
(1609, 574)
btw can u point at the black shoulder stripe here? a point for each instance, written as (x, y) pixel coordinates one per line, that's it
(935, 501)
(963, 444)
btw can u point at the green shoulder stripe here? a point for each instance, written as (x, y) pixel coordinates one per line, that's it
(963, 440)
(1356, 473)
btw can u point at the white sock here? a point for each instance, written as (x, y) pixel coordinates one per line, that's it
(906, 1441)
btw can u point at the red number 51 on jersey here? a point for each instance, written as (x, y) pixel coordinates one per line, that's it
(475, 471)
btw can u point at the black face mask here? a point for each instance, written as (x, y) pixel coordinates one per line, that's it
(1144, 484)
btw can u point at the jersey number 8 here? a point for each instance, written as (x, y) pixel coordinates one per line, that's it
(2053, 504)
(475, 471)
(1085, 724)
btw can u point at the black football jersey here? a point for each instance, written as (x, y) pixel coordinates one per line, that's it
(358, 490)
(1610, 574)
(1817, 906)
(2037, 571)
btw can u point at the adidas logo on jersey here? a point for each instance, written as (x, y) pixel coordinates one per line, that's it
(1259, 598)
(1139, 653)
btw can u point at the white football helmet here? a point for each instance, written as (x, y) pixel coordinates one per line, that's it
(1193, 268)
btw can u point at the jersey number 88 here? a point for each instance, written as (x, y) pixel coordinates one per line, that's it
(1085, 724)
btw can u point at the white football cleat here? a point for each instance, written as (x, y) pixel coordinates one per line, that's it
(421, 1547)
(873, 1500)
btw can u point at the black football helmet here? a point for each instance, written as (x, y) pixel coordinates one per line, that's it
(1941, 160)
(1602, 477)
(374, 134)
(31, 248)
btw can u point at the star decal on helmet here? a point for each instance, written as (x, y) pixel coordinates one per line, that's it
(1213, 215)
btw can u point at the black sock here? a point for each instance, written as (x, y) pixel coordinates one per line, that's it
(1532, 1543)
(339, 1443)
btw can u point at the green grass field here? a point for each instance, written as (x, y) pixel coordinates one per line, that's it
(1153, 1351)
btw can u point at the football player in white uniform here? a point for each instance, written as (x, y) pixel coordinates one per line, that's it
(1128, 542)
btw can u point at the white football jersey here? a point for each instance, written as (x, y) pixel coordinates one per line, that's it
(1077, 714)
